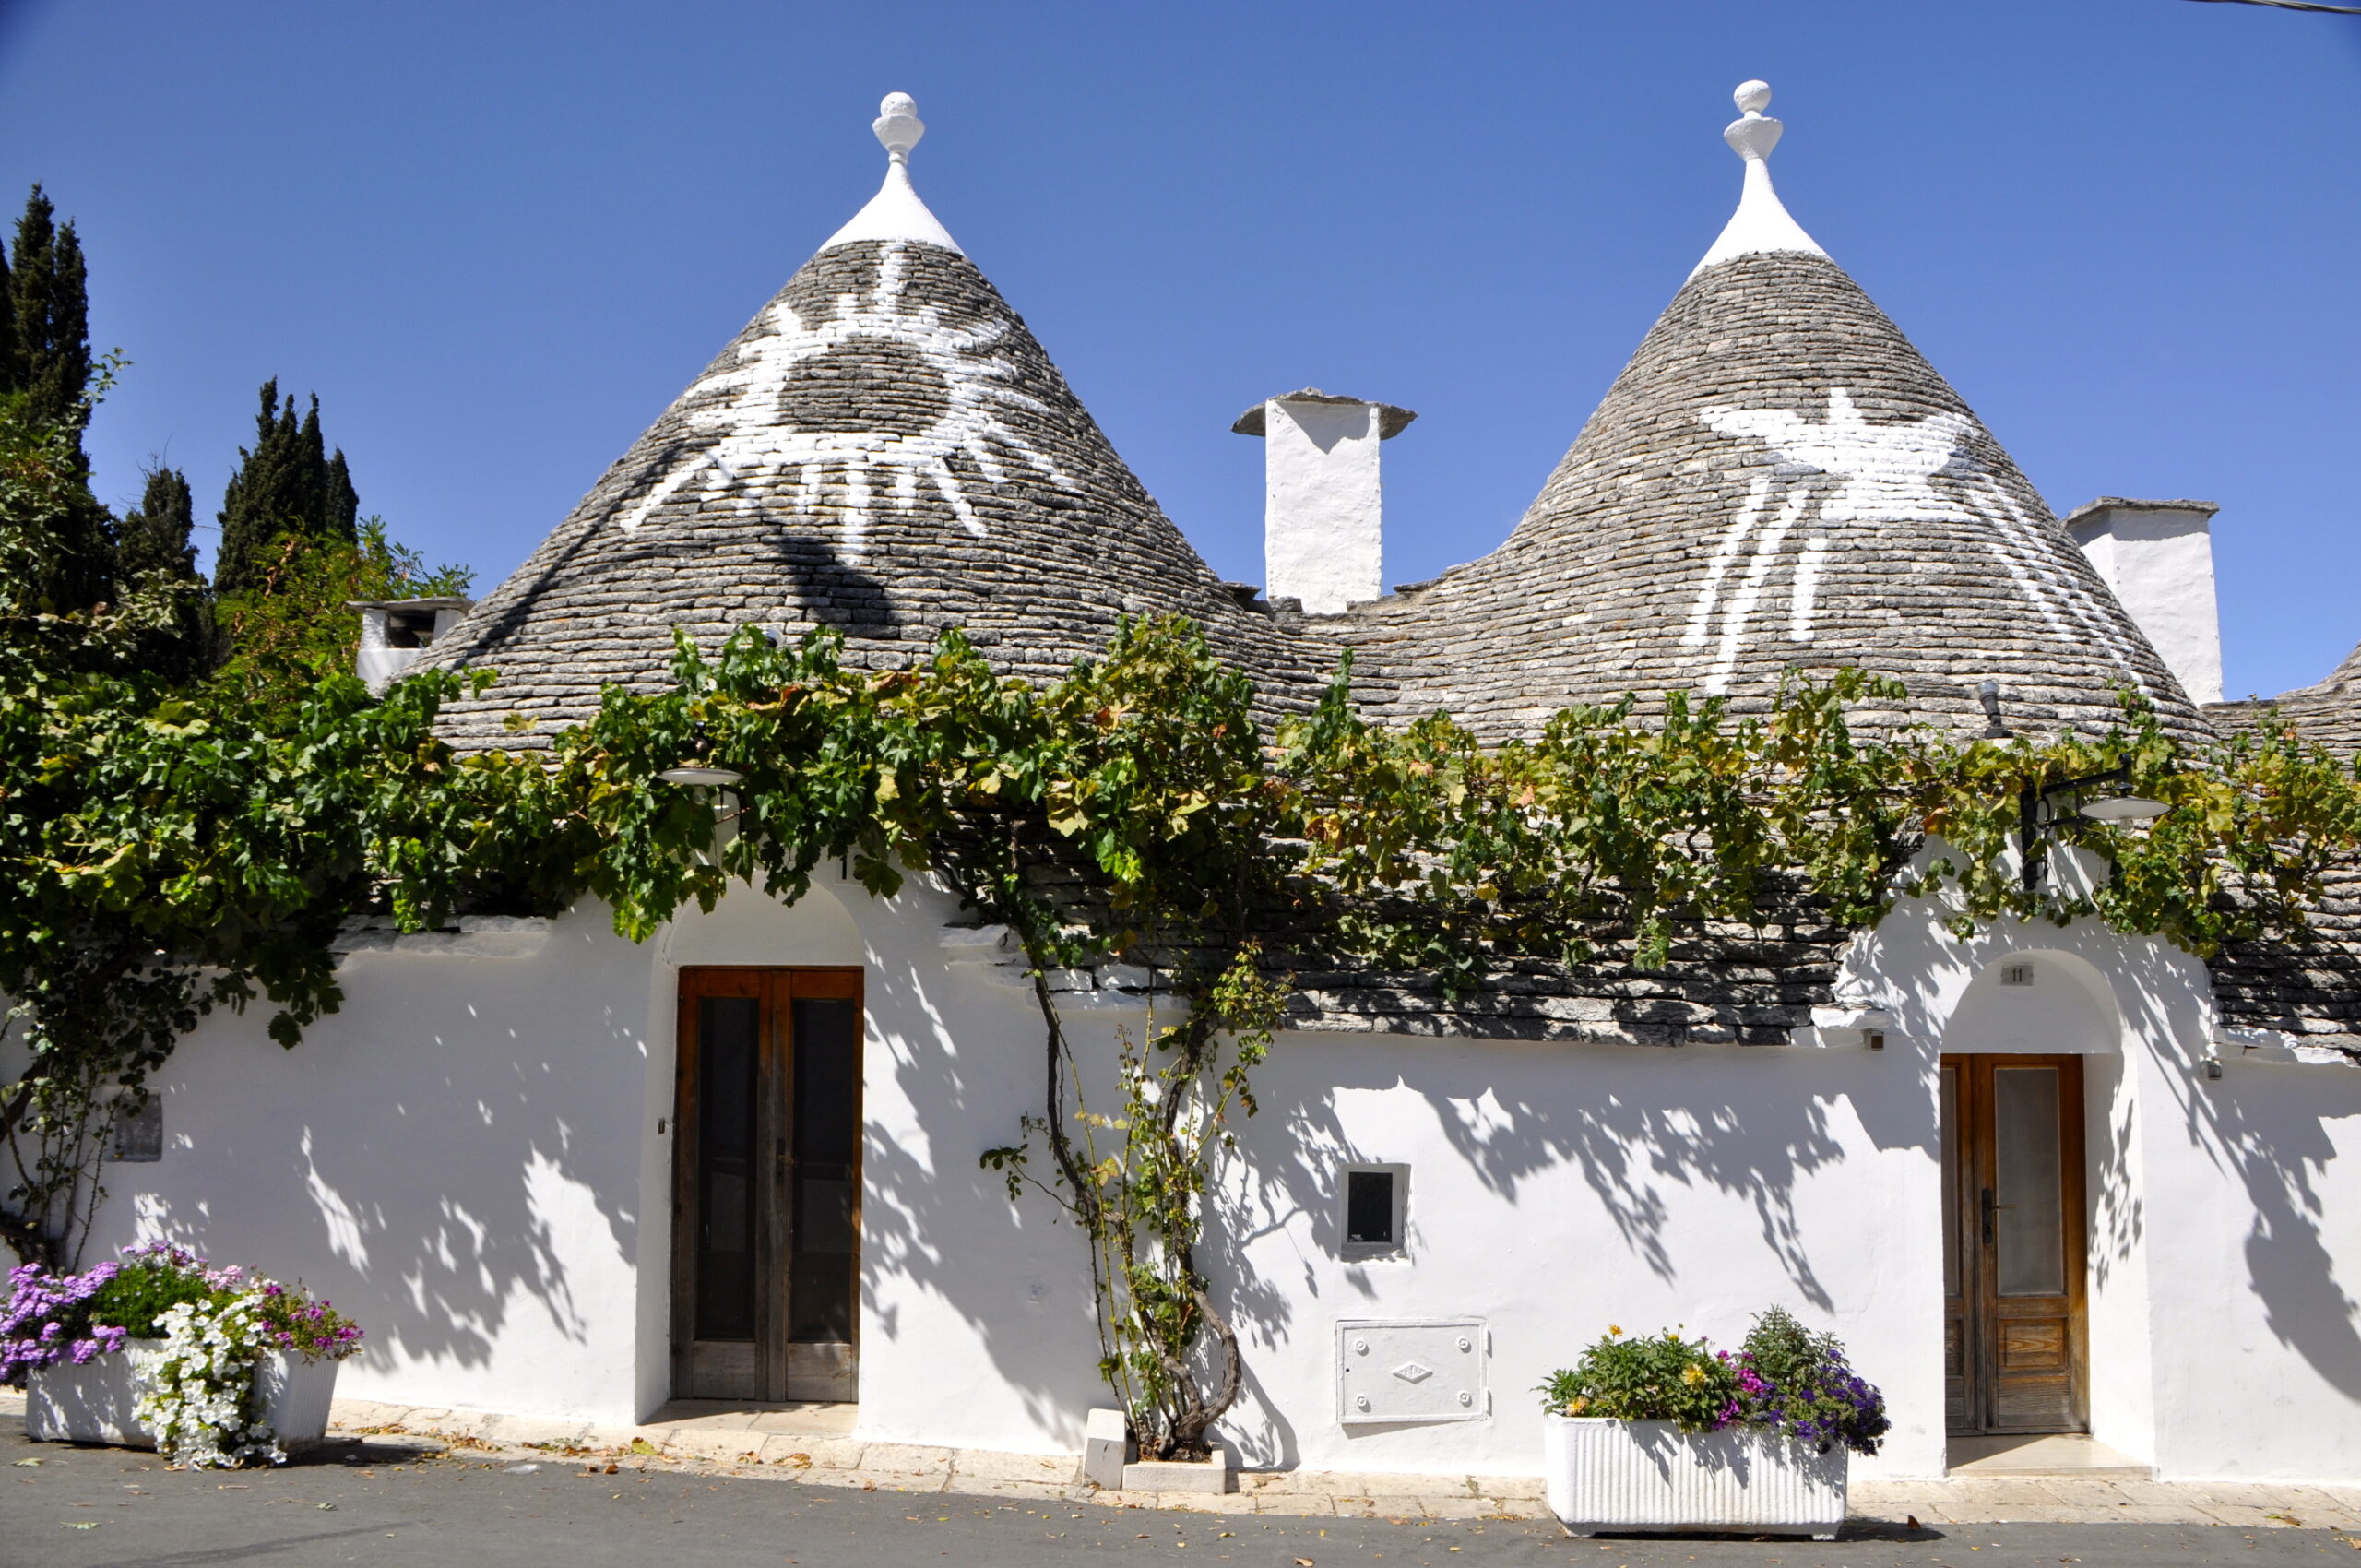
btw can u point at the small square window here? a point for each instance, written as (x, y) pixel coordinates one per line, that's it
(139, 1135)
(1373, 1209)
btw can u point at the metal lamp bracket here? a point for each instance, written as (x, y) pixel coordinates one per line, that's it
(2040, 816)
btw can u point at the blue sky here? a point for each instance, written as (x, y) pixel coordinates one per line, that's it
(497, 240)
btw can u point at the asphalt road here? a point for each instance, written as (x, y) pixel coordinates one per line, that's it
(82, 1507)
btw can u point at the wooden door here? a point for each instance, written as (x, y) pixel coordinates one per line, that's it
(2015, 1341)
(766, 1184)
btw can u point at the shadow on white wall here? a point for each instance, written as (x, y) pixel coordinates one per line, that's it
(450, 1159)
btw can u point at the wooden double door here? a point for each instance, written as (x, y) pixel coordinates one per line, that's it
(2015, 1338)
(766, 1185)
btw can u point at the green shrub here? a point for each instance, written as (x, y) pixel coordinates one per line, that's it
(1662, 1378)
(1799, 1383)
(142, 1292)
(1785, 1379)
(292, 1320)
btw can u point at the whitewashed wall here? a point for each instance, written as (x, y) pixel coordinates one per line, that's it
(2158, 557)
(466, 1157)
(2251, 1210)
(976, 1317)
(2225, 1214)
(1556, 1190)
(453, 1160)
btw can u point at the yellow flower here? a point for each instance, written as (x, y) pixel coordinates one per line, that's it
(1577, 1405)
(1692, 1375)
(1614, 1329)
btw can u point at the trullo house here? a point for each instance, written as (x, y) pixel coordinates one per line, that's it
(2042, 1179)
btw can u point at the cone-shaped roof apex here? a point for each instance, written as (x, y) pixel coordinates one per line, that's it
(1762, 223)
(895, 212)
(885, 449)
(1778, 480)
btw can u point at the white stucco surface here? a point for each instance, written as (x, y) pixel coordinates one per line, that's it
(467, 1158)
(1324, 506)
(377, 662)
(894, 213)
(2158, 557)
(1556, 1190)
(452, 1159)
(2225, 1214)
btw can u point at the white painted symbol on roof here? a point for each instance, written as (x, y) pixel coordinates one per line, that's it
(1883, 474)
(761, 458)
(1882, 468)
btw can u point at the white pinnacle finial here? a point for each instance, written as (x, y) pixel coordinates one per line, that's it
(1761, 222)
(1754, 133)
(897, 125)
(895, 212)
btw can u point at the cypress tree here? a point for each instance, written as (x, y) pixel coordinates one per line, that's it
(44, 372)
(156, 553)
(9, 377)
(286, 484)
(50, 317)
(155, 535)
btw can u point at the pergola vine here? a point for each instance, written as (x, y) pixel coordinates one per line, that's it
(162, 857)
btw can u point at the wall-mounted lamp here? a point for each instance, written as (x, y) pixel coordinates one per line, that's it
(698, 769)
(1988, 693)
(698, 773)
(1873, 1039)
(2043, 813)
(710, 775)
(2124, 808)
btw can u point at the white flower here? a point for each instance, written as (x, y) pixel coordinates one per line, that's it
(199, 1387)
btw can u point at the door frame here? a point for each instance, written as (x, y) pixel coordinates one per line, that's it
(1982, 1308)
(775, 986)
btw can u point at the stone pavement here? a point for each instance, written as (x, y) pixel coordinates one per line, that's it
(2064, 1500)
(815, 1445)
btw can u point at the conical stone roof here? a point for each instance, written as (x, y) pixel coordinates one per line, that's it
(885, 449)
(2312, 992)
(2327, 714)
(1777, 480)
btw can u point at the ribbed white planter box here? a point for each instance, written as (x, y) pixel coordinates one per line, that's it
(1652, 1477)
(94, 1402)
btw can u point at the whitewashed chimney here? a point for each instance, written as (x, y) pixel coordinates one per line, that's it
(1323, 506)
(2158, 557)
(396, 632)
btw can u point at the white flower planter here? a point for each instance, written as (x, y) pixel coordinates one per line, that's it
(1650, 1476)
(94, 1402)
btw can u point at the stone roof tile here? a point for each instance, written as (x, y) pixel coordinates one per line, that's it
(885, 449)
(1777, 480)
(2312, 989)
